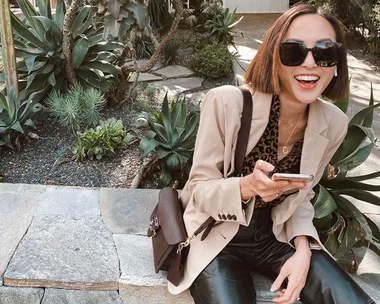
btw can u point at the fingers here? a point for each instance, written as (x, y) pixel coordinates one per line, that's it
(283, 299)
(264, 166)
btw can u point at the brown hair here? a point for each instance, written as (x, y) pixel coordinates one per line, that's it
(262, 73)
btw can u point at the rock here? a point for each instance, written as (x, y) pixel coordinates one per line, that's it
(133, 294)
(144, 77)
(61, 296)
(136, 261)
(14, 295)
(175, 86)
(65, 252)
(69, 200)
(175, 71)
(12, 229)
(127, 210)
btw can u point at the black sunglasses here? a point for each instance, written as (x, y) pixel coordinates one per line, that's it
(325, 53)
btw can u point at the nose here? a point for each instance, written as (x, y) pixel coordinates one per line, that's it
(309, 60)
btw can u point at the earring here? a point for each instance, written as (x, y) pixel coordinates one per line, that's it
(336, 71)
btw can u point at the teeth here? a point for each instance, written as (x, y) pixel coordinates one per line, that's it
(307, 78)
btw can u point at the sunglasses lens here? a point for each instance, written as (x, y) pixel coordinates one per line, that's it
(326, 54)
(292, 53)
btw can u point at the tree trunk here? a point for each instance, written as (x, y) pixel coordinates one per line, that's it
(139, 177)
(67, 44)
(8, 50)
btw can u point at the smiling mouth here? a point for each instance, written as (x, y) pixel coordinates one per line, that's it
(307, 79)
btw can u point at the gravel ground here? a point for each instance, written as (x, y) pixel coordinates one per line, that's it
(48, 159)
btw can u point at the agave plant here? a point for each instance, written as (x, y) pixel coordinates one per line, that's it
(220, 27)
(171, 138)
(38, 43)
(345, 230)
(15, 116)
(121, 15)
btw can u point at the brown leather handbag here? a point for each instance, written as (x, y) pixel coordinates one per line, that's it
(166, 227)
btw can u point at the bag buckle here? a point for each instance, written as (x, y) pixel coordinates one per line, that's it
(185, 243)
(154, 225)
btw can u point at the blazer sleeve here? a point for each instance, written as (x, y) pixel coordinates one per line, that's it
(301, 221)
(212, 193)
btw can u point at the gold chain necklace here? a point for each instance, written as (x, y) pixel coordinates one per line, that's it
(285, 149)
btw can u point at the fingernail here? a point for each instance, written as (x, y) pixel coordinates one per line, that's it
(273, 288)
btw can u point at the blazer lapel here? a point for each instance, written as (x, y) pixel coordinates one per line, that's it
(314, 147)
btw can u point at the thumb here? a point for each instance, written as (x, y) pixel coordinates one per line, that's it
(264, 166)
(278, 282)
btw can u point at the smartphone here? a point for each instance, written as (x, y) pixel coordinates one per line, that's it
(291, 177)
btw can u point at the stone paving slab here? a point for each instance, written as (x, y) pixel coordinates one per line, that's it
(16, 199)
(368, 275)
(133, 294)
(175, 86)
(144, 77)
(197, 96)
(69, 201)
(137, 250)
(65, 252)
(127, 210)
(15, 295)
(61, 296)
(12, 229)
(175, 71)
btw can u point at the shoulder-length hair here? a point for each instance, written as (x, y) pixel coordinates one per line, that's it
(262, 73)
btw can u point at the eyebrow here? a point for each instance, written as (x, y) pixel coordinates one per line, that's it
(298, 40)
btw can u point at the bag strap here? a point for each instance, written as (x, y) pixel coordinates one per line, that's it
(241, 148)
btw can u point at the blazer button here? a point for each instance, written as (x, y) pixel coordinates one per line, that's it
(234, 217)
(229, 216)
(224, 216)
(220, 217)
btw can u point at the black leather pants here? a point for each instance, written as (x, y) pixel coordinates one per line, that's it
(227, 279)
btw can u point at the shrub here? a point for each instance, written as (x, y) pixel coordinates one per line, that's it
(212, 61)
(170, 52)
(15, 116)
(76, 108)
(171, 139)
(101, 141)
(38, 38)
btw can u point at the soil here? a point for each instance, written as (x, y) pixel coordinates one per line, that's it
(48, 158)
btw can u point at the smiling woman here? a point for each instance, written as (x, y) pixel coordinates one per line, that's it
(262, 224)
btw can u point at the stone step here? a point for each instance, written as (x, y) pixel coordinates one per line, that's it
(71, 238)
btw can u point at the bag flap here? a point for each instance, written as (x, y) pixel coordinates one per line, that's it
(169, 215)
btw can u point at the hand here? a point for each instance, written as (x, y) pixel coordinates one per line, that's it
(295, 269)
(258, 183)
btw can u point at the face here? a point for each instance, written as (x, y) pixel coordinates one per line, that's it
(304, 83)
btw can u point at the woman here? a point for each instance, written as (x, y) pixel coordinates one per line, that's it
(260, 226)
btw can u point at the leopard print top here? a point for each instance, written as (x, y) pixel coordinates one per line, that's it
(266, 149)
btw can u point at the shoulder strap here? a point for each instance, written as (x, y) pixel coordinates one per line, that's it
(243, 135)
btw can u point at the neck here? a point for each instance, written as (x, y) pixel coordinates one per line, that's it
(291, 109)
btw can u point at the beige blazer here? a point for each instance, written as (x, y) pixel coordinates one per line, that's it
(210, 192)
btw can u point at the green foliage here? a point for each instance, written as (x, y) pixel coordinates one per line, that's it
(212, 61)
(78, 107)
(341, 226)
(38, 40)
(170, 53)
(15, 116)
(120, 16)
(101, 141)
(144, 47)
(171, 138)
(160, 16)
(220, 27)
